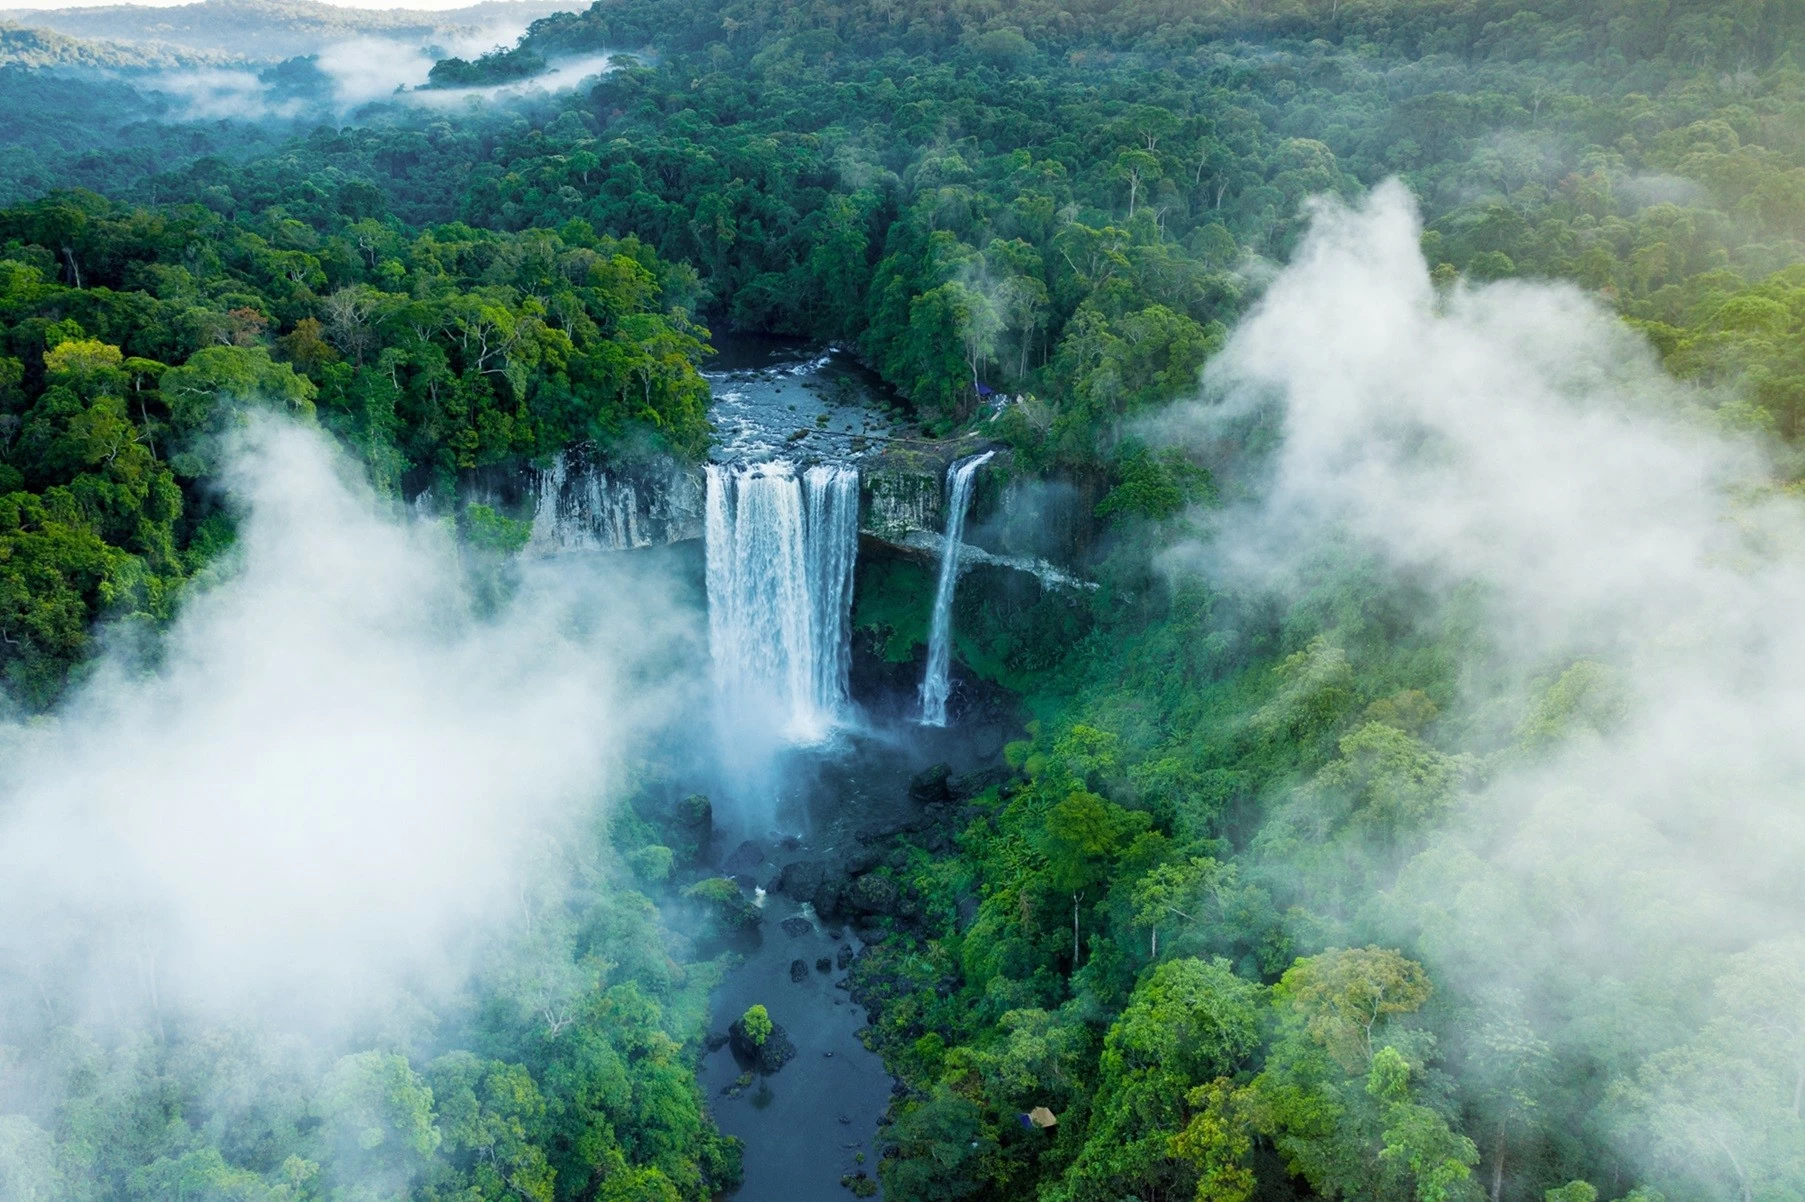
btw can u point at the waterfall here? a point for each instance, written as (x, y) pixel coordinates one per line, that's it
(830, 545)
(780, 552)
(935, 684)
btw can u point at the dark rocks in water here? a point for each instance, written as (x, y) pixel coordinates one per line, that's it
(800, 879)
(863, 860)
(873, 894)
(843, 957)
(963, 785)
(891, 825)
(796, 925)
(745, 858)
(798, 970)
(776, 1051)
(716, 1041)
(744, 880)
(827, 898)
(789, 843)
(842, 983)
(930, 784)
(824, 964)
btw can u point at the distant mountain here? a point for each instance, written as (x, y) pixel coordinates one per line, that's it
(41, 48)
(279, 29)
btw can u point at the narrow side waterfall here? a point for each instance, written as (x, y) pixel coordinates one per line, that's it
(780, 552)
(935, 684)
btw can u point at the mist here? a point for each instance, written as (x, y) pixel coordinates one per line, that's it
(1622, 582)
(362, 71)
(340, 780)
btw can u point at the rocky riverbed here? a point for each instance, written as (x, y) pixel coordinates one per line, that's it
(825, 891)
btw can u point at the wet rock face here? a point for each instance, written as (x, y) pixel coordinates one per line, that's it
(584, 504)
(902, 498)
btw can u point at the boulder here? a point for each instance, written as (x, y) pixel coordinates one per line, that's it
(930, 783)
(801, 878)
(889, 826)
(745, 858)
(776, 1051)
(828, 897)
(873, 893)
(843, 957)
(962, 785)
(798, 970)
(796, 925)
(690, 823)
(862, 860)
(824, 964)
(694, 812)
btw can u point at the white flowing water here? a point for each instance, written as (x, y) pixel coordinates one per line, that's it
(935, 685)
(780, 550)
(830, 547)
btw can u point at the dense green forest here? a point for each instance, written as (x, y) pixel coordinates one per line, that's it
(1210, 931)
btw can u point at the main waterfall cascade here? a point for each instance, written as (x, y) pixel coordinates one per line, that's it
(780, 552)
(935, 684)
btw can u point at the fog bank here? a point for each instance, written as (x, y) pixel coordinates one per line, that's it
(337, 781)
(1621, 585)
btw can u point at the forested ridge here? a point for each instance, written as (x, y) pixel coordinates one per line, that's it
(1225, 916)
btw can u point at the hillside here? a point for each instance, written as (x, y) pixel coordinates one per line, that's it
(275, 29)
(42, 48)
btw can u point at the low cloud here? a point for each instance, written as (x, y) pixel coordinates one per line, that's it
(335, 785)
(1627, 584)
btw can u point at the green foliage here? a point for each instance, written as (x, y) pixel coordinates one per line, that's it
(723, 907)
(756, 1023)
(1190, 1022)
(1036, 223)
(429, 354)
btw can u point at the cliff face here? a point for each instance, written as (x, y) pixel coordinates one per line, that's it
(579, 504)
(583, 505)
